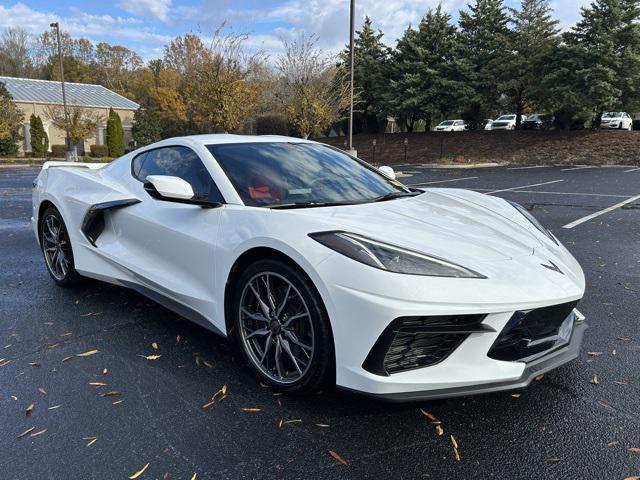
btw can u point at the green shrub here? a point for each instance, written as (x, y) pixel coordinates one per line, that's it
(58, 151)
(271, 124)
(98, 151)
(39, 138)
(115, 134)
(146, 127)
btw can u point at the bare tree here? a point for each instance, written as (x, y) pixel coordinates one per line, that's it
(82, 123)
(15, 53)
(314, 91)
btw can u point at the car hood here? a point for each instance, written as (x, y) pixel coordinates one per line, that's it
(454, 224)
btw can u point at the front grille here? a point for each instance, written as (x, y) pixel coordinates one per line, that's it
(417, 342)
(529, 334)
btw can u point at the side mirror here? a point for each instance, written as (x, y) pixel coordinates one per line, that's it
(388, 172)
(165, 187)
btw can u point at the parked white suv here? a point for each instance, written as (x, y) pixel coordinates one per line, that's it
(451, 126)
(506, 122)
(620, 120)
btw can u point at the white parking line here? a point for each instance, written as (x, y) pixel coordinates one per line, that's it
(526, 168)
(601, 212)
(632, 170)
(574, 168)
(558, 193)
(443, 181)
(524, 186)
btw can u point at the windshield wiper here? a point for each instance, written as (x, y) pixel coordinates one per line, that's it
(394, 195)
(284, 206)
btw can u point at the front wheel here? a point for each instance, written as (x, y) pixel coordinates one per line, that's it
(282, 327)
(56, 248)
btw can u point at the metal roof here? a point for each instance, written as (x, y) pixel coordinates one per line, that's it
(79, 94)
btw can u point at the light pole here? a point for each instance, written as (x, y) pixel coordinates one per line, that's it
(352, 27)
(70, 157)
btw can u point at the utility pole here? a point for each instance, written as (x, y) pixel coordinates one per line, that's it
(352, 28)
(70, 156)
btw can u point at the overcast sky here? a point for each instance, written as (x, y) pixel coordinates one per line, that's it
(147, 25)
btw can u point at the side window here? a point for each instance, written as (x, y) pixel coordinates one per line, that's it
(179, 162)
(136, 165)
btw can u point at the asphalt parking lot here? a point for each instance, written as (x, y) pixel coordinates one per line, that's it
(140, 411)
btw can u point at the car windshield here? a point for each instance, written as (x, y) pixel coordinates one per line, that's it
(533, 118)
(283, 174)
(612, 115)
(507, 117)
(446, 123)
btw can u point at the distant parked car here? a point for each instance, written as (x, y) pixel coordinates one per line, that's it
(619, 120)
(488, 124)
(451, 126)
(506, 122)
(538, 121)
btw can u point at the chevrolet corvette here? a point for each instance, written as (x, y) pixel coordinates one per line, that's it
(323, 269)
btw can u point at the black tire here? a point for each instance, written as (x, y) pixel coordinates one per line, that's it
(320, 371)
(68, 276)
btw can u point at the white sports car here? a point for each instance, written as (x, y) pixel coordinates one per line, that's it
(322, 268)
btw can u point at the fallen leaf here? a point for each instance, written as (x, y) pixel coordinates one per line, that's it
(154, 345)
(177, 339)
(429, 416)
(104, 371)
(150, 357)
(632, 478)
(29, 409)
(613, 443)
(251, 409)
(26, 432)
(280, 423)
(139, 472)
(87, 354)
(456, 454)
(208, 404)
(594, 354)
(92, 440)
(97, 384)
(619, 382)
(613, 352)
(112, 393)
(34, 364)
(337, 457)
(38, 433)
(634, 449)
(515, 395)
(279, 403)
(67, 358)
(42, 390)
(296, 420)
(53, 407)
(539, 377)
(324, 425)
(552, 459)
(13, 397)
(625, 338)
(207, 364)
(595, 380)
(439, 430)
(117, 402)
(91, 314)
(194, 476)
(453, 442)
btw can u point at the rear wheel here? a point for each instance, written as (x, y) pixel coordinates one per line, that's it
(283, 328)
(56, 248)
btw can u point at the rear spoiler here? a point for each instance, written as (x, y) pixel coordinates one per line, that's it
(91, 166)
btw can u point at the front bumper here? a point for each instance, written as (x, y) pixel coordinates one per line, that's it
(532, 370)
(612, 125)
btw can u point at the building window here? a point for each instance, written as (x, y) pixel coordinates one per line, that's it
(101, 135)
(27, 138)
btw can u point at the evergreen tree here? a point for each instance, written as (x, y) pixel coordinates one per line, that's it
(115, 134)
(485, 42)
(146, 127)
(39, 138)
(10, 123)
(606, 41)
(371, 59)
(533, 39)
(428, 73)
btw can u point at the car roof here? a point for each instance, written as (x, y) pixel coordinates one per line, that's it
(222, 138)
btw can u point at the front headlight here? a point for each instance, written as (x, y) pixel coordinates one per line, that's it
(390, 257)
(534, 221)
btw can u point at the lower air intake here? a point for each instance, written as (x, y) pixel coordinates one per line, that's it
(409, 343)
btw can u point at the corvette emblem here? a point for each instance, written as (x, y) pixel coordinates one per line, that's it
(552, 266)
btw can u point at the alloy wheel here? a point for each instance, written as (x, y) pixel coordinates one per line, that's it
(55, 246)
(276, 328)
